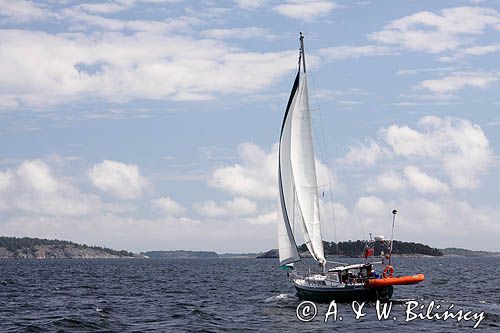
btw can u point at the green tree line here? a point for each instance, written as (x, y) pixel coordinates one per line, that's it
(14, 244)
(356, 248)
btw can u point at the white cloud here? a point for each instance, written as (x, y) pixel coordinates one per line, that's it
(350, 52)
(105, 8)
(239, 206)
(121, 67)
(82, 20)
(256, 175)
(460, 146)
(429, 220)
(21, 11)
(116, 5)
(370, 206)
(168, 206)
(33, 187)
(460, 80)
(363, 154)
(141, 234)
(417, 179)
(238, 33)
(424, 183)
(5, 180)
(408, 142)
(250, 4)
(482, 49)
(264, 218)
(389, 181)
(305, 10)
(435, 33)
(456, 145)
(121, 180)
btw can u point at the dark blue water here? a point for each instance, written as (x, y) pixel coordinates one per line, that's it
(215, 295)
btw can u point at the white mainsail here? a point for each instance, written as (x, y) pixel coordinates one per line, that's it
(286, 209)
(297, 175)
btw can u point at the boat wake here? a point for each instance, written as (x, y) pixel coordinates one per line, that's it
(281, 298)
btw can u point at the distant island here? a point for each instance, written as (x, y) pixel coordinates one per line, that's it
(355, 249)
(36, 248)
(458, 252)
(179, 254)
(183, 254)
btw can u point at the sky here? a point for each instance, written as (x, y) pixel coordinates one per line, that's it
(153, 124)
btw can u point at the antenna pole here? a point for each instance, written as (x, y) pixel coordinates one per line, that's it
(394, 212)
(302, 51)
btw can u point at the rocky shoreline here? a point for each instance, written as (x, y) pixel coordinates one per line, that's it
(60, 252)
(36, 248)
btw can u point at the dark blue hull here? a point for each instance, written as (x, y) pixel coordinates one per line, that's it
(345, 294)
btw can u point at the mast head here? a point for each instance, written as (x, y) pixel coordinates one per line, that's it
(394, 212)
(302, 52)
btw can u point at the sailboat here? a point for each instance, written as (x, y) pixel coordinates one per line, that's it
(299, 204)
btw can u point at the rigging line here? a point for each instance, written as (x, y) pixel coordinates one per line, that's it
(323, 148)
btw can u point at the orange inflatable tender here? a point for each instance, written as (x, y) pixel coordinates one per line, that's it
(389, 281)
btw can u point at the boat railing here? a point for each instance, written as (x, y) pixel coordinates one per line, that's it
(309, 279)
(331, 278)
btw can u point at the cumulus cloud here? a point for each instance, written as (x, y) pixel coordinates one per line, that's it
(238, 33)
(21, 11)
(456, 145)
(167, 206)
(33, 187)
(114, 6)
(105, 8)
(460, 146)
(120, 67)
(422, 182)
(389, 181)
(305, 10)
(370, 205)
(83, 20)
(427, 220)
(264, 218)
(482, 49)
(363, 154)
(459, 80)
(256, 175)
(239, 206)
(437, 32)
(251, 4)
(121, 180)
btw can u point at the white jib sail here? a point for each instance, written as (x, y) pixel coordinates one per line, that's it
(304, 170)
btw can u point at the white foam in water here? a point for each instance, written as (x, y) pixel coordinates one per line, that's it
(279, 298)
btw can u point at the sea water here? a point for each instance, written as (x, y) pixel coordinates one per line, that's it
(229, 295)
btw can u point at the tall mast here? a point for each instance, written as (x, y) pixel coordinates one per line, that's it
(394, 212)
(302, 52)
(303, 59)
